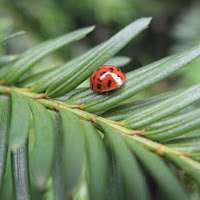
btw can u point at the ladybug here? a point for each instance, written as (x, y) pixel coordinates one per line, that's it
(106, 78)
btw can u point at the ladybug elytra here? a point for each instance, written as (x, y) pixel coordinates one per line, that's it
(107, 78)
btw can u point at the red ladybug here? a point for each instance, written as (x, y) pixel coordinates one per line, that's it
(107, 78)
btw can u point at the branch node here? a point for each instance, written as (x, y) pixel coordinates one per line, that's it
(42, 95)
(77, 106)
(137, 132)
(118, 123)
(57, 106)
(8, 90)
(183, 153)
(28, 89)
(93, 118)
(159, 150)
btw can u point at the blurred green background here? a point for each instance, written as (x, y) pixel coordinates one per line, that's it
(175, 27)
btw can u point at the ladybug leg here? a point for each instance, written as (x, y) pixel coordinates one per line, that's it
(106, 93)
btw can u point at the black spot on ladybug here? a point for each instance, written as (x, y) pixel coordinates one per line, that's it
(120, 77)
(92, 86)
(99, 80)
(98, 69)
(118, 69)
(111, 69)
(99, 86)
(102, 73)
(94, 77)
(109, 83)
